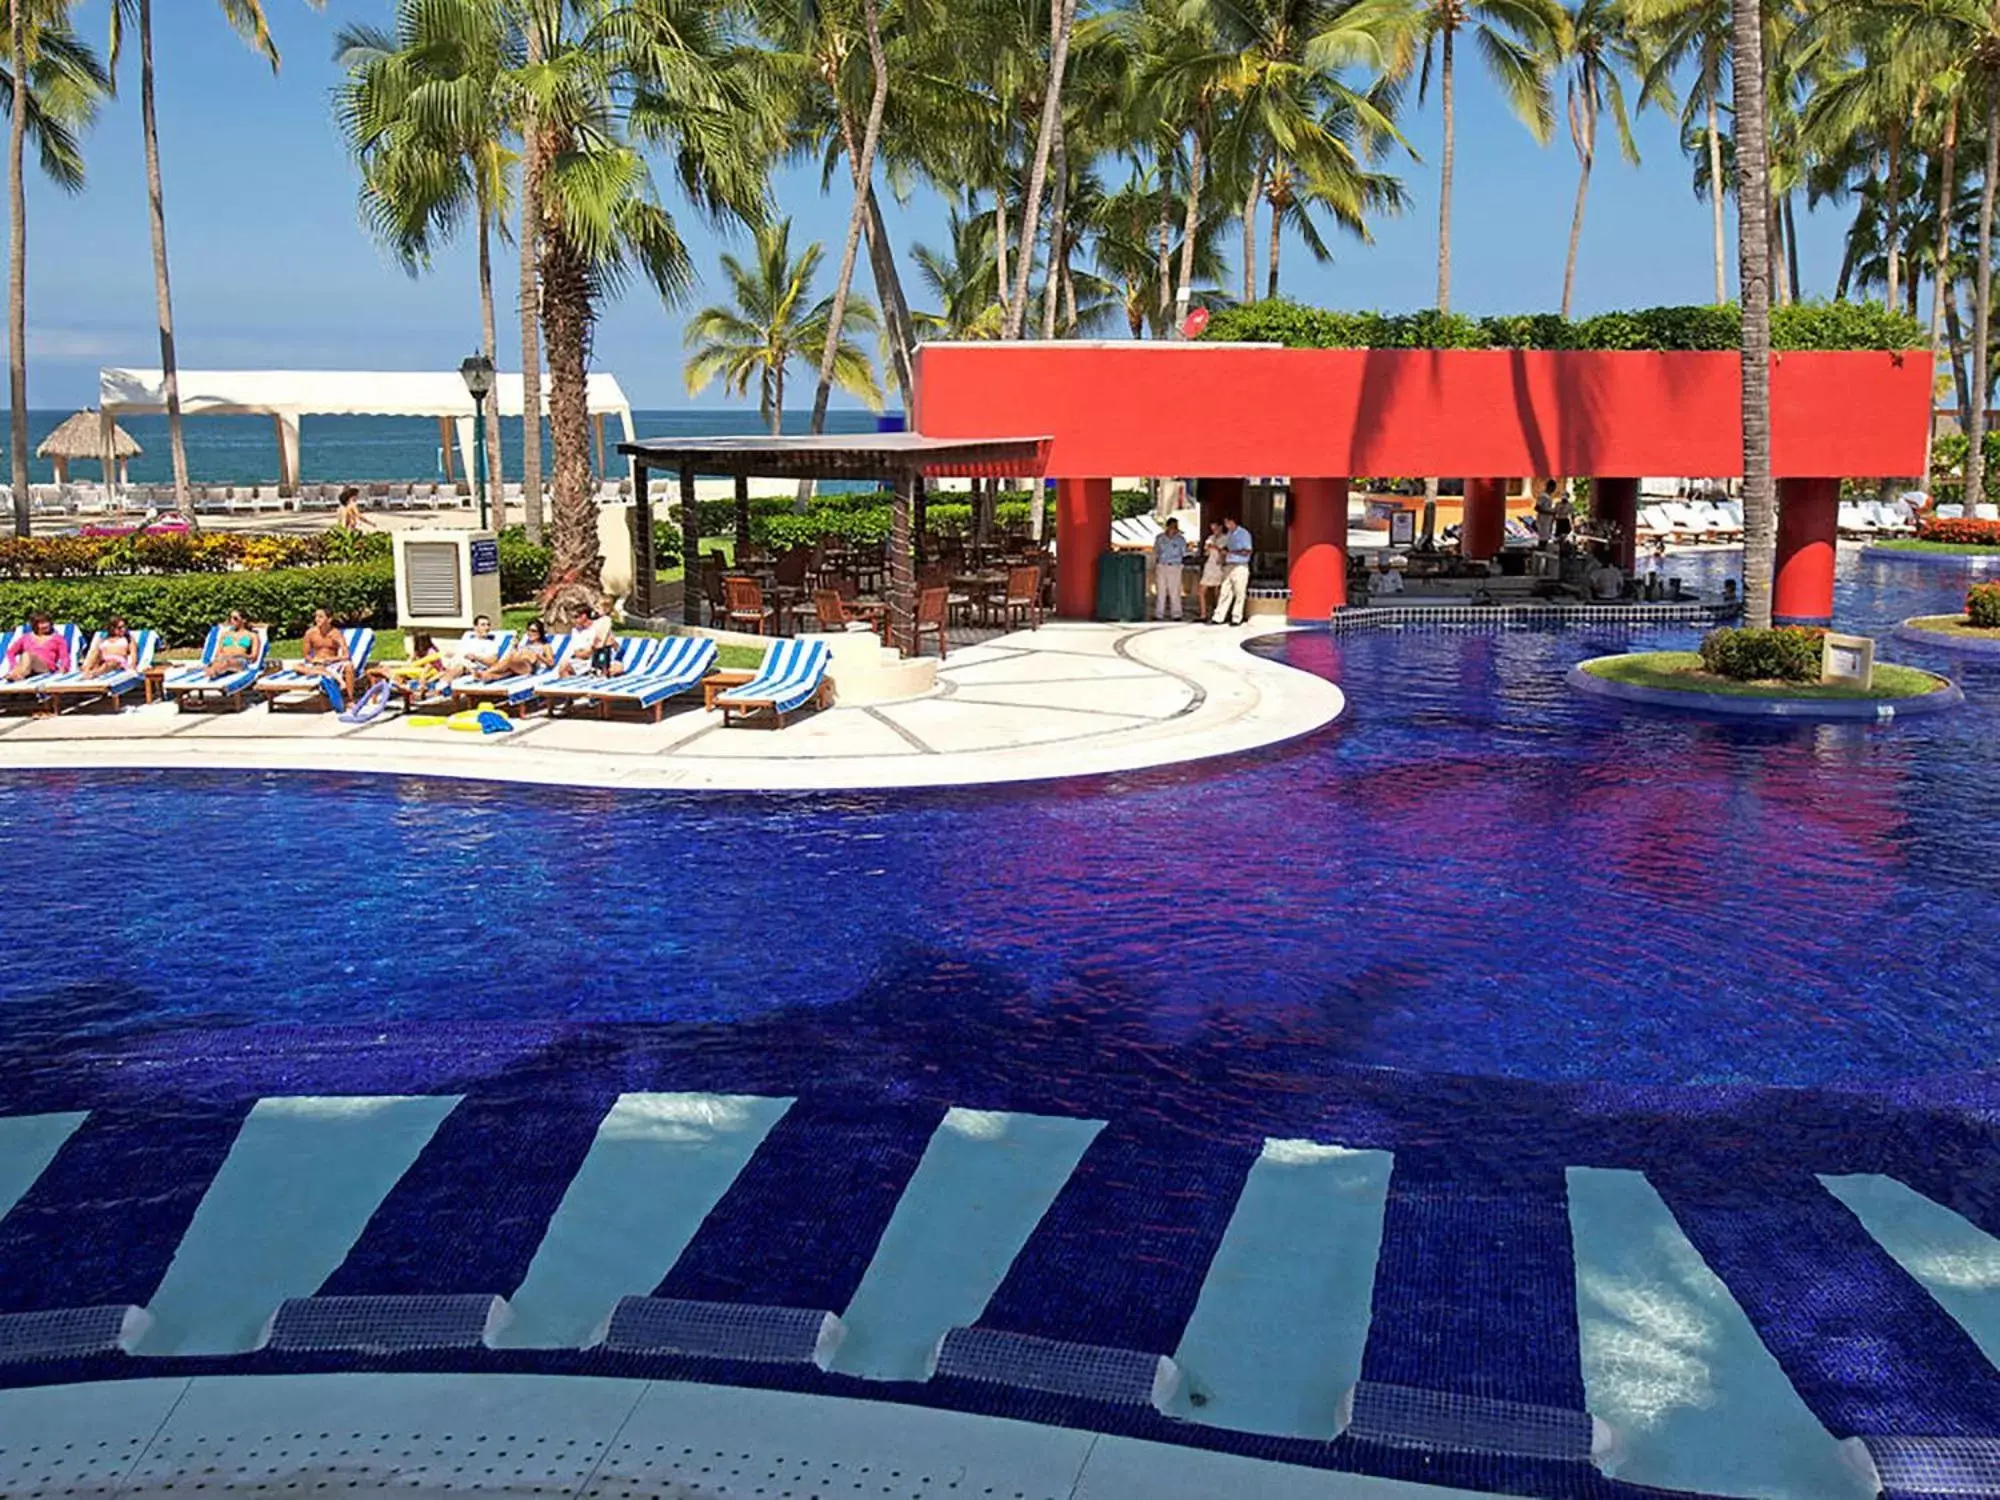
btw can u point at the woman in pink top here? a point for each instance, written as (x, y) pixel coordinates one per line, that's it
(37, 653)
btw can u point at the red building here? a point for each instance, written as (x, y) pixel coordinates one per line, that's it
(1323, 416)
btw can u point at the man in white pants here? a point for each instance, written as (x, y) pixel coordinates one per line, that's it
(1169, 557)
(1237, 548)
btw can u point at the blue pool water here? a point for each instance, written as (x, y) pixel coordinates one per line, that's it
(1475, 871)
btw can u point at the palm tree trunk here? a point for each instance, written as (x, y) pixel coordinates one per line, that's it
(490, 346)
(1001, 281)
(895, 305)
(1184, 295)
(1982, 310)
(1058, 237)
(1754, 269)
(1446, 164)
(1715, 192)
(1781, 292)
(574, 562)
(1584, 160)
(1794, 289)
(864, 171)
(1892, 215)
(17, 269)
(1846, 275)
(1941, 267)
(531, 311)
(163, 295)
(1277, 234)
(1062, 20)
(1166, 266)
(1954, 332)
(1250, 234)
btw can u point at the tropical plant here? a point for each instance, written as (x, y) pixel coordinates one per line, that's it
(963, 278)
(423, 110)
(246, 19)
(772, 321)
(1679, 35)
(64, 84)
(1597, 49)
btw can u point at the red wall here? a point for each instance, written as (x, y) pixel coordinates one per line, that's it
(1141, 409)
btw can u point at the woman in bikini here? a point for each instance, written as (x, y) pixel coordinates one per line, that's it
(235, 648)
(40, 651)
(113, 652)
(532, 653)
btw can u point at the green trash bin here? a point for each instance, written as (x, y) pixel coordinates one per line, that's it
(1121, 586)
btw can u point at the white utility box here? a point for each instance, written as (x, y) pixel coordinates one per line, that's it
(446, 578)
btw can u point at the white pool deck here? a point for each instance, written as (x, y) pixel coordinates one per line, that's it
(1065, 700)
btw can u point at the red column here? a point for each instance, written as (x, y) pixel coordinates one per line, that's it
(1316, 542)
(1617, 501)
(1220, 499)
(1808, 518)
(1484, 527)
(1083, 530)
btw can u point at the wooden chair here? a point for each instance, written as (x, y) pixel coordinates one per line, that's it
(933, 614)
(712, 592)
(1023, 598)
(834, 614)
(746, 607)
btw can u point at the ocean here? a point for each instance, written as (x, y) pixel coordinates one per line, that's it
(244, 450)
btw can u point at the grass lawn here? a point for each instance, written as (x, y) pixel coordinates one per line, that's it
(1680, 671)
(1953, 625)
(1956, 549)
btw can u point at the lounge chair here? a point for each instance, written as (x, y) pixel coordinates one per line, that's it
(1853, 521)
(793, 675)
(72, 690)
(309, 692)
(1653, 523)
(677, 667)
(636, 654)
(192, 690)
(25, 696)
(514, 693)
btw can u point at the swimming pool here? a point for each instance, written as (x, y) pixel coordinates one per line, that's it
(1434, 1052)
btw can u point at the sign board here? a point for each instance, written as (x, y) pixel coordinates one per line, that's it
(1848, 660)
(485, 556)
(1402, 528)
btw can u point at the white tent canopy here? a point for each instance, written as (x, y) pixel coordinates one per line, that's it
(287, 396)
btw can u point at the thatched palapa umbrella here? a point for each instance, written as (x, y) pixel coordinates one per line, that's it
(93, 437)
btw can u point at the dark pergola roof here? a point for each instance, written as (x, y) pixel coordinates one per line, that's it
(873, 455)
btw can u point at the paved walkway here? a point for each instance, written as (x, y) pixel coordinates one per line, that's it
(1065, 700)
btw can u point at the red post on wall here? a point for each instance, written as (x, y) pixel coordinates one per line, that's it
(1484, 526)
(1617, 501)
(1808, 524)
(1083, 530)
(1316, 544)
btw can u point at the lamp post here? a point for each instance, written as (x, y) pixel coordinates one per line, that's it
(477, 373)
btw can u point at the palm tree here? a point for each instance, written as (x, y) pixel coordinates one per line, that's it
(771, 321)
(246, 19)
(1516, 39)
(1598, 49)
(423, 111)
(1062, 22)
(1679, 33)
(64, 84)
(1754, 272)
(963, 278)
(616, 76)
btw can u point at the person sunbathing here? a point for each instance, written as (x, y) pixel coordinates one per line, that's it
(424, 673)
(235, 647)
(323, 653)
(39, 651)
(113, 652)
(593, 646)
(475, 651)
(532, 653)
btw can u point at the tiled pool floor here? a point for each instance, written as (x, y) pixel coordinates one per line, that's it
(1403, 1312)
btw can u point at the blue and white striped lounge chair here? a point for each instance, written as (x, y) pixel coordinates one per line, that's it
(503, 643)
(635, 655)
(300, 691)
(678, 667)
(792, 677)
(73, 690)
(25, 696)
(192, 690)
(514, 693)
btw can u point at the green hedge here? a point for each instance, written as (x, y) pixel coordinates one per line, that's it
(1787, 654)
(182, 607)
(1982, 605)
(859, 517)
(1806, 325)
(524, 566)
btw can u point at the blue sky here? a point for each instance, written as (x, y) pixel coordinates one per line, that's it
(273, 269)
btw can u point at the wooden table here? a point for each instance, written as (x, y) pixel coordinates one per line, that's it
(721, 682)
(156, 677)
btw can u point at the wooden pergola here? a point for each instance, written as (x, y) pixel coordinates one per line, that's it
(904, 460)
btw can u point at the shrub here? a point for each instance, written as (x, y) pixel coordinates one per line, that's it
(1787, 654)
(182, 606)
(1962, 532)
(524, 565)
(1982, 605)
(171, 552)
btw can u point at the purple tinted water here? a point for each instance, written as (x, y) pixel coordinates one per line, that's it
(1474, 871)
